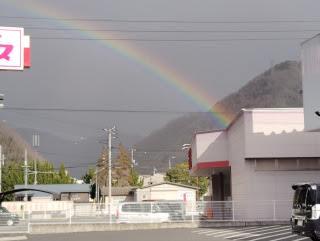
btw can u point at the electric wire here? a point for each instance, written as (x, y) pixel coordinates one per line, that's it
(175, 31)
(164, 21)
(115, 110)
(168, 40)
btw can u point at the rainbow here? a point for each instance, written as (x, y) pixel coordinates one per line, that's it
(180, 83)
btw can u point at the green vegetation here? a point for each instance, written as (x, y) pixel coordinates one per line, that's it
(180, 174)
(13, 174)
(134, 179)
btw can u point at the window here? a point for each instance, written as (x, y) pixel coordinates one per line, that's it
(308, 163)
(131, 208)
(287, 164)
(265, 164)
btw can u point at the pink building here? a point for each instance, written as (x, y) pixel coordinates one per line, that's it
(258, 156)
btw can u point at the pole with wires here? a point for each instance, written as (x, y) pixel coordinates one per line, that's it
(110, 132)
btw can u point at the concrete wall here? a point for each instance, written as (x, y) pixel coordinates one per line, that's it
(44, 205)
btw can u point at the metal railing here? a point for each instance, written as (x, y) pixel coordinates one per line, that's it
(151, 212)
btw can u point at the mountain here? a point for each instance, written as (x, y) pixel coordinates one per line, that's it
(278, 87)
(13, 146)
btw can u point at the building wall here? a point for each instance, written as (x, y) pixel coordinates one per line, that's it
(258, 135)
(276, 185)
(279, 133)
(76, 197)
(211, 146)
(236, 153)
(154, 179)
(116, 199)
(165, 192)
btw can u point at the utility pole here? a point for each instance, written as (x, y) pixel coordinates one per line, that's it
(132, 160)
(35, 143)
(25, 173)
(97, 184)
(0, 167)
(110, 132)
(109, 172)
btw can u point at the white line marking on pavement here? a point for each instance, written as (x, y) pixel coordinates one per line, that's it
(269, 236)
(13, 238)
(301, 239)
(197, 231)
(214, 231)
(284, 237)
(249, 229)
(274, 231)
(243, 234)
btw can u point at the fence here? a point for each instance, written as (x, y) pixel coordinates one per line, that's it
(151, 212)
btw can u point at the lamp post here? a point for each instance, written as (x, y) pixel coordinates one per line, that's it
(187, 146)
(173, 157)
(110, 132)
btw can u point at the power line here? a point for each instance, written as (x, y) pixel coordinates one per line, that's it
(53, 132)
(176, 31)
(168, 40)
(54, 119)
(114, 110)
(165, 21)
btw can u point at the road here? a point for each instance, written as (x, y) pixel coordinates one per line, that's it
(255, 233)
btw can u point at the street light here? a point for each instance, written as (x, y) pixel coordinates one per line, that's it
(185, 146)
(173, 157)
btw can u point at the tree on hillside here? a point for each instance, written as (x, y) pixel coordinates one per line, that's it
(180, 174)
(123, 164)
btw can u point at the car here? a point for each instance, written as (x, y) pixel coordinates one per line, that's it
(8, 218)
(174, 209)
(141, 212)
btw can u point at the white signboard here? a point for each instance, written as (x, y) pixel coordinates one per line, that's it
(11, 48)
(186, 195)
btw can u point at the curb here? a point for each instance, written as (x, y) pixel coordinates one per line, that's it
(103, 227)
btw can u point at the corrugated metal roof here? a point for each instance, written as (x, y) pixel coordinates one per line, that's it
(117, 191)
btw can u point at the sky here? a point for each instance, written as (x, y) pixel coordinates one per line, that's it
(138, 64)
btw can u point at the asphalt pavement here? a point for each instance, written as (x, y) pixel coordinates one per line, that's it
(253, 233)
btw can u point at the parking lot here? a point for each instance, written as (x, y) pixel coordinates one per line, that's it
(253, 233)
